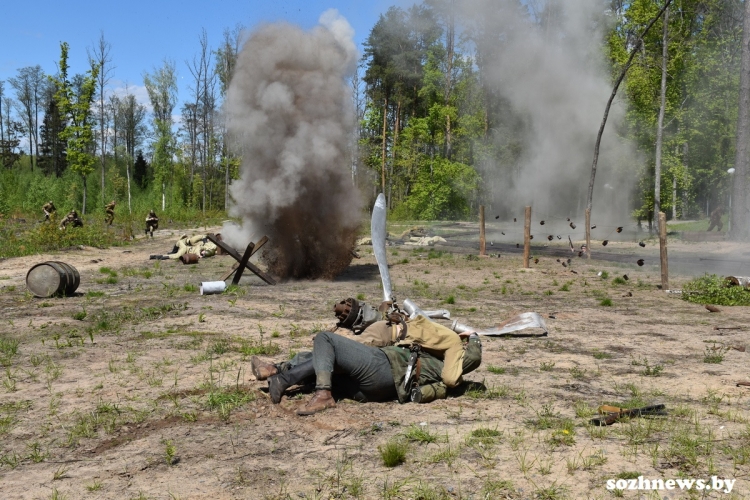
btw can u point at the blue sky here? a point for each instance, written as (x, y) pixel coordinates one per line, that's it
(143, 33)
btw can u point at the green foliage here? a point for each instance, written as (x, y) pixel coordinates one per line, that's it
(74, 99)
(441, 191)
(713, 289)
(47, 237)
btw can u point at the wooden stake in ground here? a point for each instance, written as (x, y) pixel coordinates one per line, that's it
(663, 251)
(482, 241)
(588, 233)
(527, 238)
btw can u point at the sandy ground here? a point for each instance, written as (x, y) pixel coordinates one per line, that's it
(149, 394)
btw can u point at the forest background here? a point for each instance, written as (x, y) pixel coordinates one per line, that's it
(437, 131)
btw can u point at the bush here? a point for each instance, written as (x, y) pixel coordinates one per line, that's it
(713, 289)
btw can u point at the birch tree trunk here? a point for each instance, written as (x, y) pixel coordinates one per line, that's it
(383, 148)
(660, 124)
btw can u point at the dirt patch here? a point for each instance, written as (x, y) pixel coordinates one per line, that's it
(139, 387)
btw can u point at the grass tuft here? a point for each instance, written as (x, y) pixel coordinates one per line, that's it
(393, 452)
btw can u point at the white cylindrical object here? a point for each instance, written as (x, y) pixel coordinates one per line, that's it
(211, 287)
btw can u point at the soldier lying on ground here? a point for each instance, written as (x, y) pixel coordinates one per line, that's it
(152, 223)
(365, 373)
(73, 219)
(198, 245)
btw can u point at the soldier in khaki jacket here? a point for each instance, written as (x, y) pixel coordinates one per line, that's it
(49, 210)
(109, 210)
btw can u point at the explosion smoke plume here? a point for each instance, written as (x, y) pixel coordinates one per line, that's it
(290, 118)
(552, 78)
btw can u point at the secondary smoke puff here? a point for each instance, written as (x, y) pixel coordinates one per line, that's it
(554, 80)
(290, 118)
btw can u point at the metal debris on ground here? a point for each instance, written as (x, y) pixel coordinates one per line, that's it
(642, 244)
(550, 237)
(604, 243)
(572, 226)
(640, 262)
(541, 222)
(619, 229)
(625, 277)
(743, 281)
(712, 309)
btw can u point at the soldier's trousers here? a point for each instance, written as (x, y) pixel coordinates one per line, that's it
(365, 369)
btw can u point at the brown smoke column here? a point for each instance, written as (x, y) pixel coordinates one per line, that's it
(290, 118)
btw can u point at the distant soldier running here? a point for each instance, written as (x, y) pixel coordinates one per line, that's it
(49, 210)
(716, 218)
(152, 223)
(72, 219)
(109, 208)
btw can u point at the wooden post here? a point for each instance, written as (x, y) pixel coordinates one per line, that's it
(482, 241)
(663, 251)
(588, 233)
(527, 238)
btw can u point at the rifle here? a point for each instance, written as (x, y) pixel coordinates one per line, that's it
(611, 414)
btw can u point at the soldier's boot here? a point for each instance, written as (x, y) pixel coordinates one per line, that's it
(321, 400)
(261, 369)
(278, 384)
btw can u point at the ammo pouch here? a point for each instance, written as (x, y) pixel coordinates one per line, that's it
(428, 393)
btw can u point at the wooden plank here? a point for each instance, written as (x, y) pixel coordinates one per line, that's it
(258, 245)
(243, 263)
(231, 251)
(230, 272)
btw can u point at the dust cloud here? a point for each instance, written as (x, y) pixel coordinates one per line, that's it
(545, 64)
(290, 119)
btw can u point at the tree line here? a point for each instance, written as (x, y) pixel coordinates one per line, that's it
(433, 128)
(74, 129)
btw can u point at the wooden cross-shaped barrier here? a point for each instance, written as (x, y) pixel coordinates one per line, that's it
(243, 261)
(253, 249)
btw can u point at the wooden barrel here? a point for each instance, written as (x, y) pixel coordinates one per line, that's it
(189, 258)
(52, 278)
